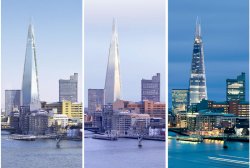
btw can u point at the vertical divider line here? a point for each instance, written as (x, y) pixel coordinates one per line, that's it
(166, 77)
(83, 105)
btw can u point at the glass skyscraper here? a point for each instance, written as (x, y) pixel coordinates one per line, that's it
(12, 100)
(112, 89)
(30, 89)
(197, 82)
(236, 88)
(179, 100)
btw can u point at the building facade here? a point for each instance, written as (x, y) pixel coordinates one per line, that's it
(95, 100)
(12, 100)
(236, 88)
(68, 89)
(112, 88)
(179, 100)
(30, 89)
(150, 89)
(72, 110)
(197, 82)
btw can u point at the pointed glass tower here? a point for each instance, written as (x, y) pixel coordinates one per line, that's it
(197, 82)
(30, 91)
(112, 89)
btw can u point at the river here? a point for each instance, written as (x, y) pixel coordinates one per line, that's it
(208, 154)
(40, 154)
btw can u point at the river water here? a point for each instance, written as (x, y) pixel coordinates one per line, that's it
(208, 154)
(123, 153)
(40, 154)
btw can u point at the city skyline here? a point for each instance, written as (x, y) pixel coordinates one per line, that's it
(224, 27)
(53, 41)
(141, 42)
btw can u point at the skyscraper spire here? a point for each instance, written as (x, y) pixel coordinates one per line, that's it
(198, 28)
(197, 82)
(30, 89)
(112, 87)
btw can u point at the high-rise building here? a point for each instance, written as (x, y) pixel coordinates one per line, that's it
(68, 89)
(112, 89)
(72, 110)
(150, 89)
(197, 82)
(179, 100)
(95, 100)
(30, 89)
(12, 100)
(236, 88)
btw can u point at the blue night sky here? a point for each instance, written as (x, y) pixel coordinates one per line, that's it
(141, 33)
(58, 37)
(224, 27)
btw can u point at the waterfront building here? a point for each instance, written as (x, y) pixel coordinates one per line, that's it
(121, 122)
(95, 100)
(112, 89)
(97, 119)
(38, 122)
(236, 88)
(24, 119)
(55, 106)
(12, 100)
(191, 121)
(197, 82)
(179, 100)
(107, 114)
(181, 119)
(68, 88)
(30, 89)
(14, 120)
(72, 110)
(150, 89)
(59, 120)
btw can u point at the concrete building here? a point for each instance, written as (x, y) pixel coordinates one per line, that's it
(95, 100)
(54, 106)
(72, 110)
(12, 100)
(38, 122)
(150, 89)
(236, 88)
(68, 89)
(14, 120)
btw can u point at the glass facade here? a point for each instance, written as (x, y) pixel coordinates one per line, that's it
(197, 82)
(30, 89)
(112, 89)
(95, 100)
(236, 88)
(12, 100)
(179, 100)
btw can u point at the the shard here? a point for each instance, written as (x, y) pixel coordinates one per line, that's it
(197, 82)
(30, 89)
(112, 89)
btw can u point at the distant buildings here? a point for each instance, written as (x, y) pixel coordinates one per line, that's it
(112, 88)
(95, 100)
(150, 89)
(72, 110)
(12, 100)
(179, 100)
(68, 89)
(236, 88)
(197, 82)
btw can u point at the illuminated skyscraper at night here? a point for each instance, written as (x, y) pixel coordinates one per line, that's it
(197, 82)
(30, 89)
(112, 89)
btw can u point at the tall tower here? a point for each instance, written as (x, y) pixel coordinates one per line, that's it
(112, 89)
(197, 82)
(30, 90)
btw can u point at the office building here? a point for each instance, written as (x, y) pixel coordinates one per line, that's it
(68, 89)
(179, 100)
(30, 89)
(38, 122)
(12, 100)
(72, 110)
(95, 100)
(112, 89)
(150, 89)
(236, 88)
(197, 82)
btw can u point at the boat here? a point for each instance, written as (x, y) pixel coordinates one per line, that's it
(105, 137)
(191, 138)
(23, 137)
